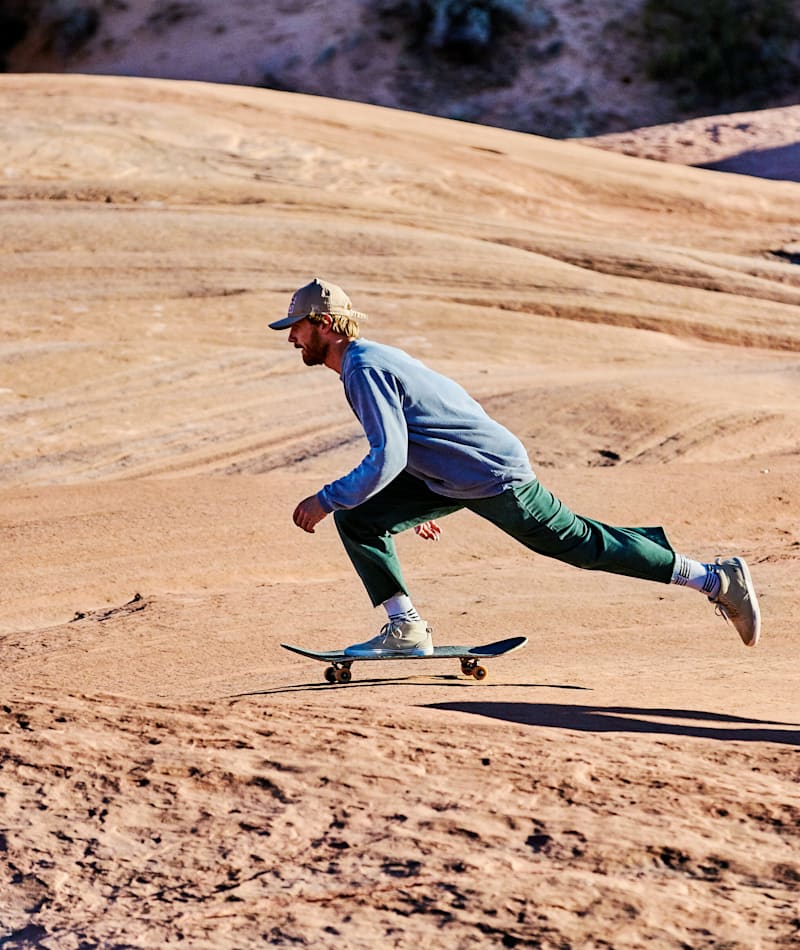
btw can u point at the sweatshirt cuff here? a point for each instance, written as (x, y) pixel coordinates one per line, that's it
(325, 502)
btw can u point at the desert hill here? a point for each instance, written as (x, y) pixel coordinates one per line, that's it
(168, 772)
(558, 68)
(561, 68)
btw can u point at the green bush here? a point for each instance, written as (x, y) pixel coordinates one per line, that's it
(63, 26)
(468, 23)
(713, 51)
(459, 27)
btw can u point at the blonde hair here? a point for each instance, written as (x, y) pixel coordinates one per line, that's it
(341, 324)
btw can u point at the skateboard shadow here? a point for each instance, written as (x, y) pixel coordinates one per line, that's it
(441, 679)
(625, 719)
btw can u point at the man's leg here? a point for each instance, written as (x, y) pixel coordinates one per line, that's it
(366, 532)
(537, 519)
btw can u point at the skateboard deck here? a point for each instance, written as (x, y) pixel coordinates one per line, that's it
(338, 670)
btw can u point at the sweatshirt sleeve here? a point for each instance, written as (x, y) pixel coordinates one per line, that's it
(376, 398)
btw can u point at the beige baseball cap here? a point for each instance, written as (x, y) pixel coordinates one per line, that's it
(319, 296)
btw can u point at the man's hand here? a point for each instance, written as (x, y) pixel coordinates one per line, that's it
(309, 513)
(429, 530)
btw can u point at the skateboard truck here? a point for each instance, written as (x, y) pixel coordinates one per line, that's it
(471, 667)
(339, 672)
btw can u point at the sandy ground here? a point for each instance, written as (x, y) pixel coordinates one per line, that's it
(169, 774)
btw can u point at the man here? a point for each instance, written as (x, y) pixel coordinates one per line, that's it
(432, 451)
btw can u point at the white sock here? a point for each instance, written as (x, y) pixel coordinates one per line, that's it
(400, 607)
(702, 577)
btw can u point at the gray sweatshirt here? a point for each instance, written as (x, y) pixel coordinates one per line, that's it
(421, 422)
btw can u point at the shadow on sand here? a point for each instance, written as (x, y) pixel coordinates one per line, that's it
(447, 679)
(624, 719)
(781, 163)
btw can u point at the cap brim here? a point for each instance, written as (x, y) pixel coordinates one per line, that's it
(285, 322)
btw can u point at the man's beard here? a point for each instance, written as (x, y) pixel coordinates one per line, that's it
(314, 351)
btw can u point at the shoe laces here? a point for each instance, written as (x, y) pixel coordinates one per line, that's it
(387, 630)
(727, 611)
(725, 607)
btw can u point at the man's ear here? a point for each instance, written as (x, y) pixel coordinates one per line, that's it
(327, 321)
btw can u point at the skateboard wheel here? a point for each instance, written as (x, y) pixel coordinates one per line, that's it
(480, 672)
(330, 674)
(344, 675)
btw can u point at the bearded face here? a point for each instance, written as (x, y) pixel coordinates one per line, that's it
(307, 337)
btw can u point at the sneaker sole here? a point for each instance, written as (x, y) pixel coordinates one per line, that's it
(748, 583)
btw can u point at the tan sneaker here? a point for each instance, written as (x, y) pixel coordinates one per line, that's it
(398, 637)
(737, 601)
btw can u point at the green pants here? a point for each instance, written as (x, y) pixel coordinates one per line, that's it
(530, 513)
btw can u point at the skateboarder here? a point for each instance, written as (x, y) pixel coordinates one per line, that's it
(432, 451)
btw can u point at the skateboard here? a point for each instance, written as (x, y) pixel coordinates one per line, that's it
(338, 670)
